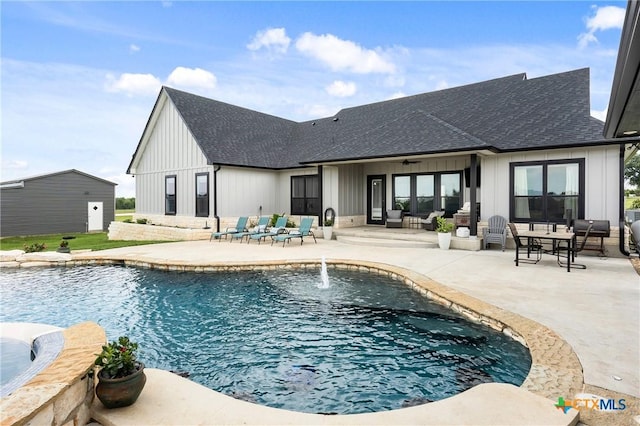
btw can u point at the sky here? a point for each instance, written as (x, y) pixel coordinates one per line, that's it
(79, 79)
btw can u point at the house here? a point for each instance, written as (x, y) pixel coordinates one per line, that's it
(526, 149)
(623, 115)
(66, 201)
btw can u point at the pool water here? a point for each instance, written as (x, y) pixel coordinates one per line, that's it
(366, 343)
(16, 358)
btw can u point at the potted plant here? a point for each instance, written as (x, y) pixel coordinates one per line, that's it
(64, 247)
(121, 377)
(444, 229)
(327, 229)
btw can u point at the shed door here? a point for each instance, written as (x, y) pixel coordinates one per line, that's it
(95, 216)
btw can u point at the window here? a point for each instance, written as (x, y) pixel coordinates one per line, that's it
(170, 195)
(544, 191)
(202, 194)
(420, 194)
(305, 195)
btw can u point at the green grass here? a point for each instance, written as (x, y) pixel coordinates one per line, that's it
(628, 201)
(93, 241)
(124, 215)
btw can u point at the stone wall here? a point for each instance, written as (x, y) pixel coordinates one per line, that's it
(63, 392)
(138, 232)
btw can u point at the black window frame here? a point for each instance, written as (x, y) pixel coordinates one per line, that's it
(306, 205)
(437, 196)
(170, 199)
(545, 196)
(202, 201)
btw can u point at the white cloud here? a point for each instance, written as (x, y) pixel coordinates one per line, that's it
(275, 40)
(133, 84)
(192, 78)
(341, 89)
(397, 95)
(343, 55)
(442, 84)
(133, 48)
(604, 18)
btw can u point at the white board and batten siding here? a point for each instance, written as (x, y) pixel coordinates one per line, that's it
(169, 150)
(602, 177)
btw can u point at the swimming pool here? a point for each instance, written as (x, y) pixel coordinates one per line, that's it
(366, 343)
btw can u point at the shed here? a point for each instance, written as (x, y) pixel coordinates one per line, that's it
(66, 201)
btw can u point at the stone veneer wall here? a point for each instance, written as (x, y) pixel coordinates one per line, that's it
(62, 393)
(138, 232)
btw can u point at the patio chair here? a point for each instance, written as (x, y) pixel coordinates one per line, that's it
(495, 232)
(573, 252)
(394, 218)
(431, 222)
(278, 228)
(634, 240)
(260, 227)
(240, 226)
(532, 246)
(303, 231)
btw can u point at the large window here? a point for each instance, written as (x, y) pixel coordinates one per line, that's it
(170, 195)
(545, 191)
(305, 195)
(420, 194)
(202, 194)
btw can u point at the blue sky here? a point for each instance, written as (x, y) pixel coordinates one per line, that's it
(79, 79)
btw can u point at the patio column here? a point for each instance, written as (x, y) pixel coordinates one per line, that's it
(473, 230)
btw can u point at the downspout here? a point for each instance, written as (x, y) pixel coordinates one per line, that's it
(216, 169)
(473, 231)
(621, 223)
(321, 209)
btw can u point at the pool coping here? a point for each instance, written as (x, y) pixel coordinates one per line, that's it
(555, 367)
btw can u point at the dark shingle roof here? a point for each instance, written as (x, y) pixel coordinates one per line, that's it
(505, 114)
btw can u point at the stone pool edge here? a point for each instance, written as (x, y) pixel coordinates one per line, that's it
(555, 367)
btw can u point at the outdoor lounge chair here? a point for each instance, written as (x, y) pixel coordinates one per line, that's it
(431, 222)
(495, 232)
(278, 228)
(533, 246)
(303, 231)
(260, 227)
(394, 218)
(240, 226)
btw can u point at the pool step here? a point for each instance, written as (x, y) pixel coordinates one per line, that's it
(384, 242)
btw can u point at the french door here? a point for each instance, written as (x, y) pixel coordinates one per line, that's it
(376, 194)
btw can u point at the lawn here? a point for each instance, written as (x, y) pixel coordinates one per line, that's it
(122, 215)
(82, 241)
(628, 201)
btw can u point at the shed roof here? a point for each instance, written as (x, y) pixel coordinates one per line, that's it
(47, 175)
(505, 114)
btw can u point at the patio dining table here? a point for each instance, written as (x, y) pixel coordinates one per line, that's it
(569, 237)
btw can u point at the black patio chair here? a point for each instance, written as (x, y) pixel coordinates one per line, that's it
(532, 245)
(573, 252)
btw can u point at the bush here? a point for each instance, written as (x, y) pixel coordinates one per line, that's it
(35, 247)
(635, 204)
(141, 221)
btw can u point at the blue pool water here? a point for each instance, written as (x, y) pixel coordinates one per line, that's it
(366, 343)
(16, 358)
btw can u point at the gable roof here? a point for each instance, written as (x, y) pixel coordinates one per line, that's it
(506, 114)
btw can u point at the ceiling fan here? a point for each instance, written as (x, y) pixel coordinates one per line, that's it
(407, 162)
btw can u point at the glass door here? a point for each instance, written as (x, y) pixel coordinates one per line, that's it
(376, 193)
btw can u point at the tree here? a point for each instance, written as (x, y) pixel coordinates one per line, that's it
(632, 170)
(123, 203)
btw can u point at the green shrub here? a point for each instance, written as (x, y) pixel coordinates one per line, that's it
(35, 247)
(141, 221)
(635, 204)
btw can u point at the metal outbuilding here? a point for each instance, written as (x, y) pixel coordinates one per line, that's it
(66, 201)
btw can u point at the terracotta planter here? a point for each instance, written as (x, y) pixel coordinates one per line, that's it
(121, 392)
